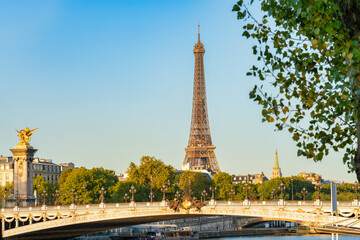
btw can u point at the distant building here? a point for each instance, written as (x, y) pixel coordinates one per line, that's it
(6, 170)
(44, 167)
(68, 165)
(47, 169)
(310, 177)
(276, 173)
(123, 177)
(249, 178)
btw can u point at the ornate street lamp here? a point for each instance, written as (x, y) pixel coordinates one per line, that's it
(44, 194)
(292, 188)
(282, 188)
(318, 189)
(273, 193)
(84, 193)
(177, 194)
(212, 193)
(17, 199)
(304, 192)
(102, 194)
(5, 191)
(56, 197)
(126, 197)
(262, 190)
(189, 186)
(38, 194)
(73, 195)
(232, 193)
(203, 195)
(132, 191)
(163, 189)
(151, 192)
(356, 188)
(246, 187)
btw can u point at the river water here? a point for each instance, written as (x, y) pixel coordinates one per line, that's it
(294, 237)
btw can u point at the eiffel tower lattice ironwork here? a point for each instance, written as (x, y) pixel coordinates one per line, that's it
(200, 153)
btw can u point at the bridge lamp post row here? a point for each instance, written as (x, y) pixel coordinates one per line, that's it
(356, 188)
(273, 193)
(132, 191)
(203, 195)
(212, 189)
(190, 192)
(44, 195)
(5, 191)
(292, 188)
(151, 187)
(163, 190)
(246, 187)
(17, 199)
(102, 195)
(304, 192)
(282, 188)
(57, 195)
(262, 190)
(84, 191)
(318, 189)
(232, 193)
(126, 197)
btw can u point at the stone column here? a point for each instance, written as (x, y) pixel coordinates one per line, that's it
(23, 175)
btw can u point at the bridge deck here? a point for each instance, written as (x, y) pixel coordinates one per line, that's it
(50, 222)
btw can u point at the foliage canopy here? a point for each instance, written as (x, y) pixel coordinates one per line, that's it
(309, 53)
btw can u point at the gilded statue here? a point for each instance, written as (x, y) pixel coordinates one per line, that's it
(24, 136)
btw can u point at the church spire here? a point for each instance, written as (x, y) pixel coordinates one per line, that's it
(276, 165)
(276, 169)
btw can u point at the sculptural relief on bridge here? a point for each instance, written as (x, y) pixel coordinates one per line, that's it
(23, 154)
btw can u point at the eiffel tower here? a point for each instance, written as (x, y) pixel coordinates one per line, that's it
(200, 155)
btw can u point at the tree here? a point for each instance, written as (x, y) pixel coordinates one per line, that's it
(309, 54)
(198, 183)
(223, 183)
(151, 167)
(93, 180)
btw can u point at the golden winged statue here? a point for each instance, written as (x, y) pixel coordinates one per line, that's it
(24, 136)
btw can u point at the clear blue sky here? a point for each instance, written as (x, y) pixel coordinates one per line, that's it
(109, 81)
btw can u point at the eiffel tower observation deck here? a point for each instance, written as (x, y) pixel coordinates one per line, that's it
(200, 154)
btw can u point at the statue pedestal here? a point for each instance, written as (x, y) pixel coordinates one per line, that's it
(163, 203)
(132, 204)
(23, 175)
(318, 202)
(355, 202)
(246, 202)
(281, 202)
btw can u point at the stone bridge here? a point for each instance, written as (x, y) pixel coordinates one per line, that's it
(62, 222)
